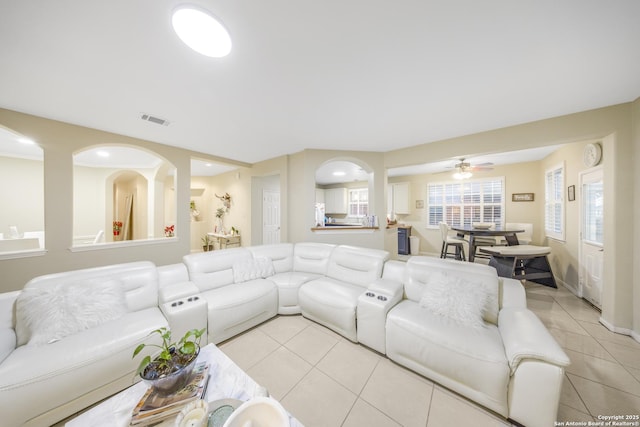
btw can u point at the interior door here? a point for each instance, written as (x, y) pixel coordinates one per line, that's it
(270, 217)
(591, 235)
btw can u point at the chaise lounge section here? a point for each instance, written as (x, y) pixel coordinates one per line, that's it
(504, 358)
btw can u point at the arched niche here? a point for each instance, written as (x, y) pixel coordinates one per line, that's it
(22, 194)
(337, 179)
(122, 193)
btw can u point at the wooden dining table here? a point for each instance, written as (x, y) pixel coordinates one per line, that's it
(497, 231)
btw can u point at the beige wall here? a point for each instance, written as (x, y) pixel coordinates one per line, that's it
(517, 180)
(616, 126)
(301, 189)
(20, 208)
(59, 141)
(635, 125)
(564, 256)
(612, 125)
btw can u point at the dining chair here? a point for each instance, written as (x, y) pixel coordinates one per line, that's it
(480, 241)
(448, 240)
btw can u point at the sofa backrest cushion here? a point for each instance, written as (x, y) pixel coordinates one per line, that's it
(312, 257)
(280, 254)
(214, 269)
(136, 284)
(420, 269)
(355, 265)
(394, 270)
(171, 274)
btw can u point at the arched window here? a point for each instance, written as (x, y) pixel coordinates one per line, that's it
(22, 195)
(120, 194)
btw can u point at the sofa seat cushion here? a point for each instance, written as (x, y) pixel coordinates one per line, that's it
(34, 380)
(288, 286)
(237, 307)
(469, 361)
(331, 303)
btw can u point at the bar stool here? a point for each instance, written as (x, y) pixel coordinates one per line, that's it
(455, 242)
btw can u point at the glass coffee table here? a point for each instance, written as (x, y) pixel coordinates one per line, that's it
(227, 382)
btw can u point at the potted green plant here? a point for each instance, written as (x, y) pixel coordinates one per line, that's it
(170, 370)
(207, 244)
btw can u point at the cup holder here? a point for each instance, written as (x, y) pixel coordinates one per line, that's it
(191, 299)
(382, 298)
(370, 294)
(177, 303)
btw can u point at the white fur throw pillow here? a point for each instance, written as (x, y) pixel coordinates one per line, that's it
(256, 268)
(50, 313)
(459, 300)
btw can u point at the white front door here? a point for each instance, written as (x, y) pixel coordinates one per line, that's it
(591, 235)
(270, 217)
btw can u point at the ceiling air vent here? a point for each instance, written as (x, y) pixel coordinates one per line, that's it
(154, 119)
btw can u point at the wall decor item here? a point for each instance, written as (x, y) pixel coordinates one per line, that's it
(419, 204)
(592, 154)
(522, 197)
(226, 200)
(571, 192)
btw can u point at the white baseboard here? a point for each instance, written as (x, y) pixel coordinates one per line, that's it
(621, 331)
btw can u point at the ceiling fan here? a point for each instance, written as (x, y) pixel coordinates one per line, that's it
(463, 170)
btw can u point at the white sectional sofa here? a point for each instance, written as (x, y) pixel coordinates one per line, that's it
(413, 312)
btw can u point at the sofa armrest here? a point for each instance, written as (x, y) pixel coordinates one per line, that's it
(388, 287)
(186, 313)
(525, 337)
(512, 293)
(175, 291)
(7, 342)
(8, 339)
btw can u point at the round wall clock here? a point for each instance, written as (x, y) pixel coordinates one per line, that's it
(592, 154)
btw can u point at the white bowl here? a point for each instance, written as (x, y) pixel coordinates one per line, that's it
(482, 225)
(259, 412)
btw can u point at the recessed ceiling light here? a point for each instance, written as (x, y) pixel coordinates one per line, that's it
(102, 153)
(199, 30)
(26, 141)
(339, 173)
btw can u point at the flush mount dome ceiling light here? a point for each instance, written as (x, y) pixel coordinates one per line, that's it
(199, 30)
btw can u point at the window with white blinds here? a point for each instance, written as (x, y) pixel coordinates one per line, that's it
(358, 202)
(462, 203)
(554, 202)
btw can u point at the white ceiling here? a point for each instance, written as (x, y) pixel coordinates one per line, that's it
(355, 75)
(340, 171)
(495, 159)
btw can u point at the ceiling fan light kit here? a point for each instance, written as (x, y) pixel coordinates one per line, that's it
(462, 174)
(463, 169)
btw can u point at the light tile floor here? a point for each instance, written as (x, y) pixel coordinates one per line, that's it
(326, 380)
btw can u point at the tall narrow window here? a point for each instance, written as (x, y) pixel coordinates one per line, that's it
(554, 202)
(358, 202)
(463, 203)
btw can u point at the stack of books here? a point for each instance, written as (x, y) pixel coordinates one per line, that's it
(154, 407)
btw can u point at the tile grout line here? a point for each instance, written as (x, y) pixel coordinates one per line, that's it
(601, 345)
